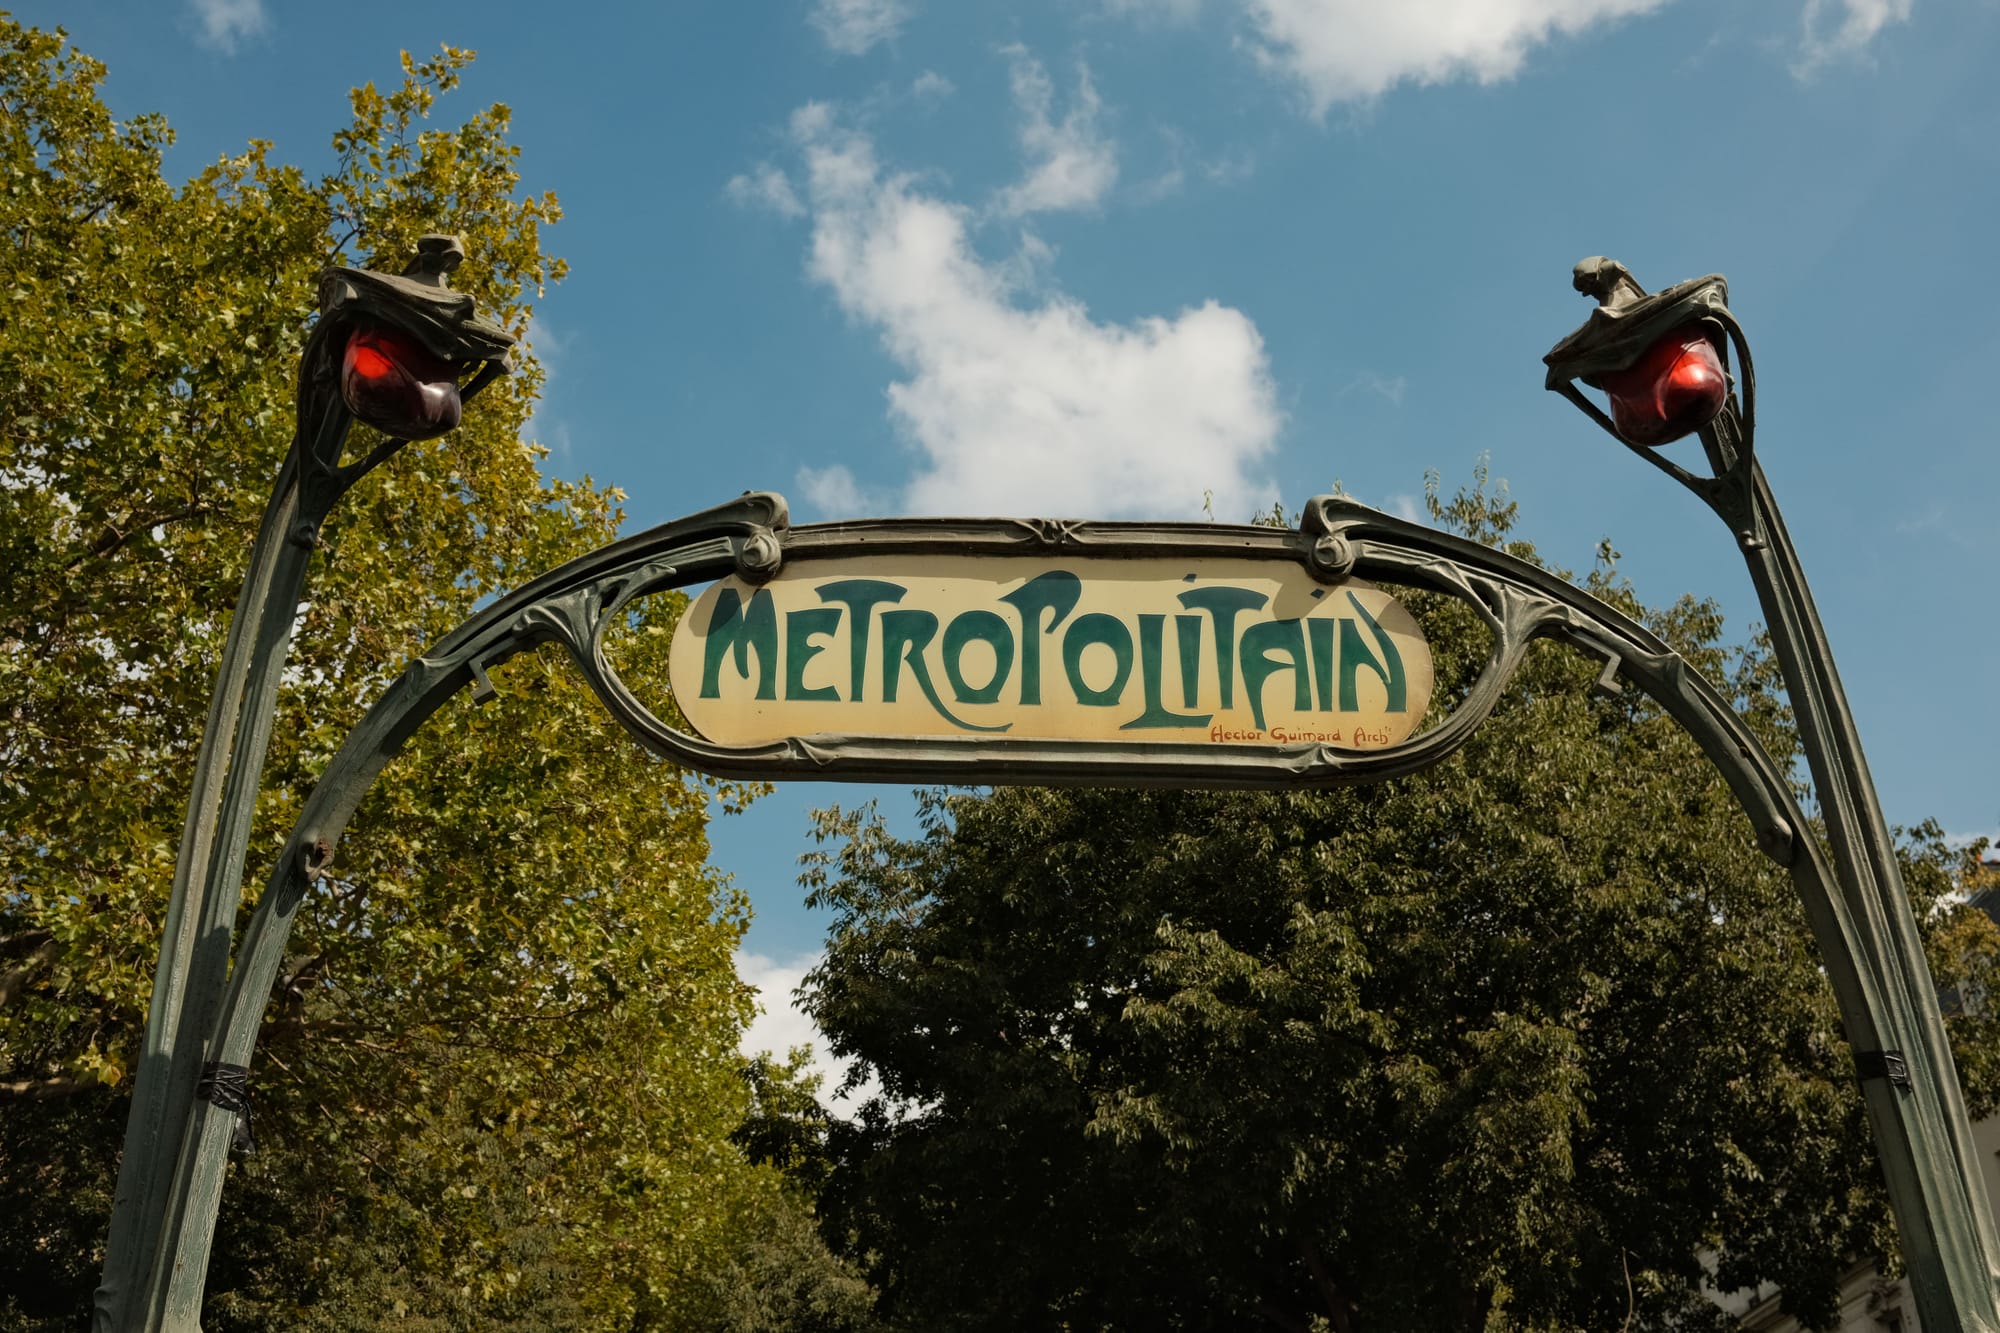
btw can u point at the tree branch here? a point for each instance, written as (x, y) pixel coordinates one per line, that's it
(11, 982)
(1338, 1308)
(44, 1089)
(112, 537)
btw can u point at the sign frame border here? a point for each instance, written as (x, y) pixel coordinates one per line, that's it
(1337, 538)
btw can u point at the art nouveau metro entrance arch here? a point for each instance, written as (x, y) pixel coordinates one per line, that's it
(1339, 541)
(1139, 654)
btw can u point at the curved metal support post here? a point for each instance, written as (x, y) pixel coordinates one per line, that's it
(1922, 1129)
(1923, 1134)
(208, 873)
(554, 607)
(576, 604)
(201, 913)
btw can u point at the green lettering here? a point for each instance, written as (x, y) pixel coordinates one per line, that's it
(1056, 592)
(1262, 640)
(800, 626)
(983, 627)
(1187, 632)
(734, 627)
(860, 597)
(905, 635)
(1320, 630)
(1222, 605)
(1109, 631)
(1152, 630)
(1354, 655)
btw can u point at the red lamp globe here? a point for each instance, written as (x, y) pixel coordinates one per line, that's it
(1675, 388)
(395, 384)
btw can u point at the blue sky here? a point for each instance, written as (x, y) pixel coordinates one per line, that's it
(1111, 257)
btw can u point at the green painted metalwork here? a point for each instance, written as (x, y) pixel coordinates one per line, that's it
(1855, 904)
(576, 605)
(1887, 996)
(208, 874)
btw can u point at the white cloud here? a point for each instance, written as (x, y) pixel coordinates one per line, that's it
(1183, 161)
(1389, 388)
(1353, 50)
(811, 121)
(550, 349)
(1030, 406)
(1070, 164)
(766, 187)
(1834, 29)
(1236, 165)
(781, 1025)
(852, 26)
(833, 491)
(225, 22)
(931, 86)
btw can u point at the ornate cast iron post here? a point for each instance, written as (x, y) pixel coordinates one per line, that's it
(1662, 360)
(390, 351)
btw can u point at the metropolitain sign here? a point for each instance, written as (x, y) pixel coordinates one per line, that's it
(1225, 651)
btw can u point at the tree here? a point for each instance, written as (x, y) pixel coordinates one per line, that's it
(787, 1280)
(1522, 1041)
(498, 1081)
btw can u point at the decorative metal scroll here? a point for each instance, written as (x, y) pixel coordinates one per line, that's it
(1338, 540)
(578, 604)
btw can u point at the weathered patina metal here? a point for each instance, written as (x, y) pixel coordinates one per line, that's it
(1856, 908)
(208, 874)
(1870, 943)
(578, 604)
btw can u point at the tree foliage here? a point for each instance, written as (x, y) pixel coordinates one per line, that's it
(1522, 1041)
(498, 1081)
(786, 1280)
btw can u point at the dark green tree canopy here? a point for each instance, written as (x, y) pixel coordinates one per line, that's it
(1518, 1042)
